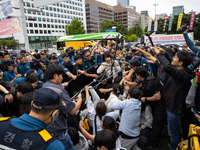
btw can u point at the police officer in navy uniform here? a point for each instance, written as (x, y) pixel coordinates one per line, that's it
(60, 56)
(44, 61)
(35, 64)
(68, 68)
(23, 65)
(47, 53)
(89, 66)
(28, 131)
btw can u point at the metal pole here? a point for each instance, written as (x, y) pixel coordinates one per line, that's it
(98, 26)
(13, 42)
(51, 39)
(24, 25)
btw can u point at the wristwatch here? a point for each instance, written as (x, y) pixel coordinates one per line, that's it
(145, 99)
(7, 93)
(126, 82)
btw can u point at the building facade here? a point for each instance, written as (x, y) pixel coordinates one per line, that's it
(162, 16)
(126, 16)
(46, 25)
(178, 9)
(144, 19)
(123, 2)
(96, 12)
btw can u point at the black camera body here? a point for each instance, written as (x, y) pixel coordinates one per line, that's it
(183, 28)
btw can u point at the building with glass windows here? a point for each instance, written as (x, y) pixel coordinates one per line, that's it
(126, 16)
(178, 9)
(123, 2)
(144, 19)
(44, 26)
(96, 12)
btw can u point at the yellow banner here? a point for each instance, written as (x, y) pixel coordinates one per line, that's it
(150, 18)
(179, 20)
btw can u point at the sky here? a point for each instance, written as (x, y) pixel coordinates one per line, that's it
(164, 6)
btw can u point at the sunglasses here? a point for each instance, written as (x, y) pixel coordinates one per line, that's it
(87, 55)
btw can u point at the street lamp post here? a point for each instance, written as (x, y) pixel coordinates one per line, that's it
(155, 7)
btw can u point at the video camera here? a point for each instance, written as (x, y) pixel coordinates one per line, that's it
(183, 28)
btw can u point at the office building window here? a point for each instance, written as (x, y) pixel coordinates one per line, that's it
(65, 11)
(46, 8)
(48, 20)
(47, 14)
(58, 21)
(41, 32)
(39, 13)
(56, 26)
(40, 25)
(30, 25)
(29, 12)
(50, 8)
(26, 24)
(43, 13)
(49, 31)
(61, 10)
(55, 15)
(55, 20)
(36, 31)
(52, 26)
(45, 31)
(54, 9)
(44, 25)
(28, 31)
(31, 31)
(51, 14)
(35, 25)
(58, 10)
(62, 21)
(58, 15)
(44, 19)
(51, 20)
(28, 4)
(59, 26)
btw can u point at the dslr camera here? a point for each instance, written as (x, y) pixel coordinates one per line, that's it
(183, 28)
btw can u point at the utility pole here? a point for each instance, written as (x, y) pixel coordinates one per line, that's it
(24, 25)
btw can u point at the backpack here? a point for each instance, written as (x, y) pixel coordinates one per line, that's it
(11, 87)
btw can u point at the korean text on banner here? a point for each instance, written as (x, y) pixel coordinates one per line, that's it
(170, 22)
(10, 26)
(165, 22)
(179, 20)
(149, 25)
(192, 20)
(156, 23)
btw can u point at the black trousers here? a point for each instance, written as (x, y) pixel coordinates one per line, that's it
(159, 120)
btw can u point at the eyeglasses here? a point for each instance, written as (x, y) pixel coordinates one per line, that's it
(87, 55)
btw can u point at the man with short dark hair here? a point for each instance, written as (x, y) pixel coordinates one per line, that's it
(175, 91)
(6, 56)
(28, 131)
(23, 65)
(36, 55)
(59, 128)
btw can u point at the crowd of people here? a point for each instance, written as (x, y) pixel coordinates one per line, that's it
(105, 97)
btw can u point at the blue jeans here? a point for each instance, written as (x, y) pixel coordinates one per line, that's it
(173, 121)
(66, 140)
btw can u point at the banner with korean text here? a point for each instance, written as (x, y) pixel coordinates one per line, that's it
(165, 22)
(170, 22)
(192, 20)
(179, 20)
(156, 23)
(10, 26)
(149, 25)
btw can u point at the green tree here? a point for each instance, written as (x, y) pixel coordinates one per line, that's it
(137, 29)
(107, 24)
(131, 38)
(75, 27)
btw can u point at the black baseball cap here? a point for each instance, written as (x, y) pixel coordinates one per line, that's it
(49, 98)
(32, 72)
(10, 62)
(20, 55)
(136, 61)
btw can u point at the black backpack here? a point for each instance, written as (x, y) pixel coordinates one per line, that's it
(11, 87)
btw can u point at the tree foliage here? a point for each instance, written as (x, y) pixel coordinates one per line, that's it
(131, 38)
(185, 20)
(107, 25)
(75, 27)
(9, 43)
(137, 29)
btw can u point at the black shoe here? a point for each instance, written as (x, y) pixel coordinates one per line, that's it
(149, 147)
